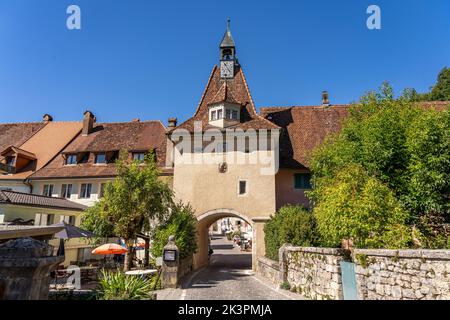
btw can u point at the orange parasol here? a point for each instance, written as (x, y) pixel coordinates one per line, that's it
(110, 248)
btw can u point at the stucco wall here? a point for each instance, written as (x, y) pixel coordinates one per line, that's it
(38, 186)
(13, 185)
(285, 191)
(205, 188)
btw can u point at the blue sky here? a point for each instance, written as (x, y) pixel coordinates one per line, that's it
(152, 59)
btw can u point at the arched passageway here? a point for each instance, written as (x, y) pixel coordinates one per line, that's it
(205, 220)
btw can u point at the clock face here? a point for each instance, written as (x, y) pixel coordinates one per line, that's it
(227, 69)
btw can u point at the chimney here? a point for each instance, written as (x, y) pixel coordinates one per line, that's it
(88, 123)
(47, 118)
(325, 100)
(172, 122)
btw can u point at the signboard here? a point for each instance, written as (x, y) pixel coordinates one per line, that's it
(170, 255)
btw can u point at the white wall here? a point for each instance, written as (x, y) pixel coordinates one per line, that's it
(38, 186)
(17, 186)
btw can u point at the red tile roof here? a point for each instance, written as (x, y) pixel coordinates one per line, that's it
(305, 127)
(131, 136)
(232, 90)
(15, 134)
(26, 199)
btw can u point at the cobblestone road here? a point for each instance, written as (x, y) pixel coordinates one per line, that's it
(229, 276)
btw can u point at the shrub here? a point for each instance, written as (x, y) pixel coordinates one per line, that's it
(404, 151)
(183, 225)
(291, 224)
(359, 207)
(118, 286)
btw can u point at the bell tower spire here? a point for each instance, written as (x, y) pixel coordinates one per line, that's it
(228, 60)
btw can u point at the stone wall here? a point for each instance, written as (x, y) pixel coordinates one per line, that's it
(314, 272)
(186, 266)
(403, 274)
(269, 269)
(380, 274)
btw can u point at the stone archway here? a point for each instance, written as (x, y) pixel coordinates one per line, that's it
(206, 219)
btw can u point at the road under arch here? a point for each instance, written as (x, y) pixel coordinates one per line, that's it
(206, 219)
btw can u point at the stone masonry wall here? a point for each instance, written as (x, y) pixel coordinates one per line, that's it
(315, 273)
(380, 274)
(269, 269)
(402, 274)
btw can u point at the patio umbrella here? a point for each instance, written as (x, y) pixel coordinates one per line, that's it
(110, 248)
(71, 231)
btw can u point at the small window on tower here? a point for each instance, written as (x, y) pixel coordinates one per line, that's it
(234, 115)
(213, 115)
(219, 114)
(228, 114)
(242, 187)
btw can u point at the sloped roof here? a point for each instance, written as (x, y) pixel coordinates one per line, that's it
(236, 89)
(305, 127)
(22, 152)
(136, 136)
(26, 199)
(131, 136)
(15, 134)
(45, 145)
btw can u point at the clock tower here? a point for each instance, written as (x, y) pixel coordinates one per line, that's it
(228, 61)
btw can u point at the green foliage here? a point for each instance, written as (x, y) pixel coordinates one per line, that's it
(118, 286)
(355, 206)
(439, 92)
(291, 224)
(384, 179)
(183, 225)
(285, 285)
(131, 202)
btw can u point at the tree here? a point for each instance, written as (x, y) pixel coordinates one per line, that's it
(291, 224)
(183, 225)
(399, 143)
(355, 206)
(135, 198)
(439, 92)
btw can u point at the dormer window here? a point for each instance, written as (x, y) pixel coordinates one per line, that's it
(224, 114)
(71, 159)
(10, 161)
(100, 158)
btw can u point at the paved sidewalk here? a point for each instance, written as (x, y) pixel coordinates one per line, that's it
(229, 276)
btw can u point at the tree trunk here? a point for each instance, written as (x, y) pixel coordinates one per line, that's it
(128, 258)
(147, 253)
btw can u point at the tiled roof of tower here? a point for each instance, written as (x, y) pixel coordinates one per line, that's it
(15, 134)
(131, 136)
(26, 199)
(305, 127)
(235, 89)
